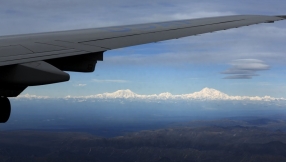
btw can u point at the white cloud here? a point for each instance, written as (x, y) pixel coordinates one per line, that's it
(29, 96)
(184, 15)
(269, 32)
(80, 85)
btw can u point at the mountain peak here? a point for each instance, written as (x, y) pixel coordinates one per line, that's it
(122, 94)
(209, 90)
(209, 93)
(125, 91)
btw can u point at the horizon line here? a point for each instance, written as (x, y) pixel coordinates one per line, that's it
(204, 94)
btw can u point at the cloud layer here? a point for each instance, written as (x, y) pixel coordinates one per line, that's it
(42, 15)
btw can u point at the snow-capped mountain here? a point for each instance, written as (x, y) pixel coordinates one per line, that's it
(118, 94)
(207, 93)
(204, 94)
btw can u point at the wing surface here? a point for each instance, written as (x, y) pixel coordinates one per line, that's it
(19, 49)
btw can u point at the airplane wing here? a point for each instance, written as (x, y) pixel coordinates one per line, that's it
(37, 59)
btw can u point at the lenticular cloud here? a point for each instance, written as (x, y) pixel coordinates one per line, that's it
(245, 68)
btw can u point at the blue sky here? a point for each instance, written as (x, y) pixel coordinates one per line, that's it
(177, 66)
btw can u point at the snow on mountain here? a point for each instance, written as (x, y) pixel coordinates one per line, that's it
(118, 94)
(207, 93)
(204, 94)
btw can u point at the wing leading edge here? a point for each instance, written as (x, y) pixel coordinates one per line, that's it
(44, 46)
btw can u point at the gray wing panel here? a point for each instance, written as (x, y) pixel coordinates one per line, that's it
(37, 47)
(13, 51)
(24, 58)
(38, 51)
(137, 39)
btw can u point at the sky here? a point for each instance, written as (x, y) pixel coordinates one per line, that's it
(177, 66)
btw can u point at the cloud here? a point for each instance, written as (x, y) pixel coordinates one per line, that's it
(73, 14)
(80, 85)
(249, 64)
(31, 97)
(240, 77)
(109, 81)
(245, 68)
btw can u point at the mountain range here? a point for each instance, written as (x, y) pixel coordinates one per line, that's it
(204, 94)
